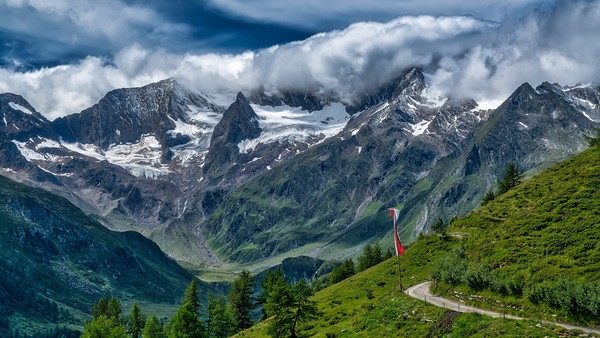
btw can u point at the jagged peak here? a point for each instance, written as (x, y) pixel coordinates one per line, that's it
(241, 98)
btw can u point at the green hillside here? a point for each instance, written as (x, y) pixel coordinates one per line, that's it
(534, 252)
(56, 262)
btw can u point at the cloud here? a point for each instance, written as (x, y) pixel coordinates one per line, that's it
(317, 14)
(465, 56)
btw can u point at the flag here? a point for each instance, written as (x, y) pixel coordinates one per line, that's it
(399, 248)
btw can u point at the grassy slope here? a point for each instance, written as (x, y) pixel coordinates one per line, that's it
(543, 229)
(349, 312)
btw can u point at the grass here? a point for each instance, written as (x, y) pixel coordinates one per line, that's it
(369, 304)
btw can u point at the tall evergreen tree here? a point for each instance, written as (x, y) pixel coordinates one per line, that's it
(106, 321)
(290, 306)
(365, 259)
(241, 302)
(220, 321)
(306, 309)
(103, 327)
(272, 277)
(113, 310)
(510, 179)
(186, 321)
(135, 322)
(488, 197)
(152, 328)
(101, 308)
(280, 304)
(191, 296)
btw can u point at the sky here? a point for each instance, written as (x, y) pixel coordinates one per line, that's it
(64, 55)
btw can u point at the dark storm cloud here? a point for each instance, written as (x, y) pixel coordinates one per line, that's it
(39, 33)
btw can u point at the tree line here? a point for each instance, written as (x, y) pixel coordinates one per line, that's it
(287, 305)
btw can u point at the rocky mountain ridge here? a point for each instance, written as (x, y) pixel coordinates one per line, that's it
(218, 177)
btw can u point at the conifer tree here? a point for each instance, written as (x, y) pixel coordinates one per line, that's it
(488, 197)
(290, 306)
(364, 260)
(113, 310)
(241, 302)
(106, 321)
(280, 304)
(135, 322)
(152, 328)
(186, 321)
(220, 321)
(272, 277)
(101, 308)
(510, 179)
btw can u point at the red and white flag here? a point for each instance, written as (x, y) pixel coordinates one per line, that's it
(395, 214)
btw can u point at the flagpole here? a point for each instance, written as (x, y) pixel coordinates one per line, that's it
(400, 273)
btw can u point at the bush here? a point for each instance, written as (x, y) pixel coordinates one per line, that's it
(477, 276)
(577, 299)
(450, 268)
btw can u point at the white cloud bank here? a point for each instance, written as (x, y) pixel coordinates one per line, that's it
(466, 56)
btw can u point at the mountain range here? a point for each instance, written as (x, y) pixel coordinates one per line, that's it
(218, 179)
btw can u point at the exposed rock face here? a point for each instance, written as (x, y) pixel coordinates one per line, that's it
(239, 123)
(266, 174)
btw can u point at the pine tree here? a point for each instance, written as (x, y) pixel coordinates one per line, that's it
(152, 328)
(510, 179)
(135, 322)
(342, 272)
(280, 304)
(376, 256)
(113, 310)
(290, 306)
(241, 302)
(306, 309)
(101, 308)
(438, 225)
(106, 321)
(186, 321)
(364, 260)
(488, 197)
(191, 296)
(219, 318)
(103, 327)
(272, 277)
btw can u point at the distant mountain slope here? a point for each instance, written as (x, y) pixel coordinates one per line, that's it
(430, 160)
(56, 262)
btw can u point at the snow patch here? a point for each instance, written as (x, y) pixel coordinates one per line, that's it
(55, 174)
(29, 154)
(292, 124)
(359, 149)
(46, 143)
(419, 128)
(16, 106)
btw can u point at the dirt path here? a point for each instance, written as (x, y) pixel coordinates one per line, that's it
(421, 291)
